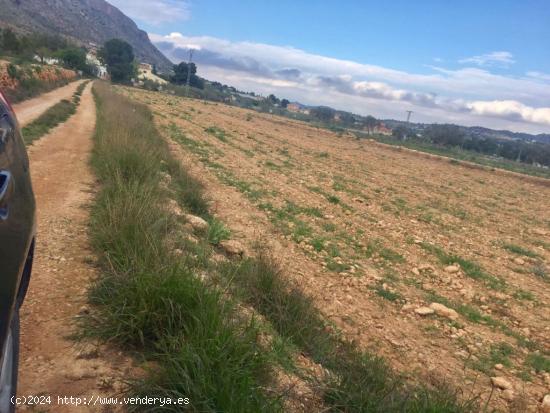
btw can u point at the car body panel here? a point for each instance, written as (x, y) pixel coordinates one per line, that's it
(17, 214)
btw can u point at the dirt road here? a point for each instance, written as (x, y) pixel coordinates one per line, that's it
(30, 109)
(63, 185)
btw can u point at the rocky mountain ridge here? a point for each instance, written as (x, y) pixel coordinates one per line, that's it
(83, 21)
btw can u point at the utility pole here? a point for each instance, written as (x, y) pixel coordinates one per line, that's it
(409, 112)
(188, 72)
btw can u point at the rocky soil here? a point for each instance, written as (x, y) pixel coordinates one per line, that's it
(440, 267)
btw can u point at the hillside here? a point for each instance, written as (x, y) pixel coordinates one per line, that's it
(83, 21)
(477, 132)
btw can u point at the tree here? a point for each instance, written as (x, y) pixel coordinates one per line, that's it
(273, 99)
(402, 132)
(370, 123)
(51, 43)
(118, 56)
(43, 53)
(10, 42)
(323, 113)
(346, 118)
(284, 103)
(73, 58)
(447, 135)
(182, 70)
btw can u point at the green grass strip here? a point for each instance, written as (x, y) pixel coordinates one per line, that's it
(147, 298)
(52, 117)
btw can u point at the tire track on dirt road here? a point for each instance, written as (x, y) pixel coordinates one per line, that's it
(30, 109)
(51, 364)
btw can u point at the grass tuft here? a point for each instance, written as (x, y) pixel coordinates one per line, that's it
(516, 249)
(217, 132)
(217, 232)
(540, 271)
(539, 362)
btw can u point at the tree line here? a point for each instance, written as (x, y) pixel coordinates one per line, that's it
(116, 54)
(28, 48)
(452, 136)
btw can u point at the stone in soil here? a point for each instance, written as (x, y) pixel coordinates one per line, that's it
(452, 269)
(174, 208)
(232, 247)
(519, 261)
(501, 383)
(196, 222)
(424, 311)
(444, 311)
(508, 395)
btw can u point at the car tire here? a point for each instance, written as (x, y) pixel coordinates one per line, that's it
(8, 375)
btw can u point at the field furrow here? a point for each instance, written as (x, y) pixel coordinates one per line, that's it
(439, 267)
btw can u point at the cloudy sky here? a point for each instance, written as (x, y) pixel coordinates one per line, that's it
(474, 62)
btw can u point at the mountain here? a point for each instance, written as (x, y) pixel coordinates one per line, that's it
(83, 21)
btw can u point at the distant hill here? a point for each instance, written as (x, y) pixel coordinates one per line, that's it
(478, 132)
(472, 131)
(354, 121)
(505, 134)
(83, 21)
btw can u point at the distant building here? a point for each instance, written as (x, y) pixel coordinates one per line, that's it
(146, 67)
(297, 108)
(145, 72)
(46, 60)
(250, 96)
(91, 59)
(382, 129)
(293, 107)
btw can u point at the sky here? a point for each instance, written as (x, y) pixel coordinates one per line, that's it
(476, 63)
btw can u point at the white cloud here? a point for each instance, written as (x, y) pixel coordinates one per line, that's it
(510, 109)
(539, 76)
(470, 96)
(490, 59)
(154, 12)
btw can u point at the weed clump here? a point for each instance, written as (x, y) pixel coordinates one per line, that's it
(217, 132)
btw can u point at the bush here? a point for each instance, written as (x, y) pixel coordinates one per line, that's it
(12, 71)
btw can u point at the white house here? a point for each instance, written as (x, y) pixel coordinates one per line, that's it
(92, 59)
(46, 60)
(145, 71)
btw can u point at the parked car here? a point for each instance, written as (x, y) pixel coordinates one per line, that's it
(17, 234)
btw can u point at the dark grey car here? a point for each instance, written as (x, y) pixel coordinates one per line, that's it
(17, 232)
